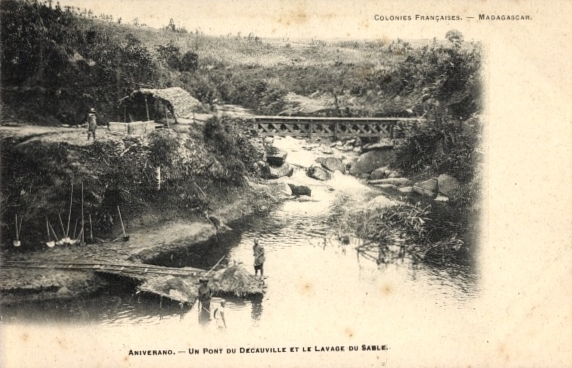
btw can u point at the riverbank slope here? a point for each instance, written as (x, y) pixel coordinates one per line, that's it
(52, 175)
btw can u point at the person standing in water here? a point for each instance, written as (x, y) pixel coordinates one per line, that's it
(219, 315)
(259, 258)
(205, 295)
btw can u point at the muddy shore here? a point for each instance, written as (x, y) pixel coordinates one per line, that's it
(146, 241)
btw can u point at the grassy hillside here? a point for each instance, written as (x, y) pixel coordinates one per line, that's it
(57, 63)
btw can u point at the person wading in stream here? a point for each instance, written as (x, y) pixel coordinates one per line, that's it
(205, 295)
(219, 315)
(259, 258)
(91, 123)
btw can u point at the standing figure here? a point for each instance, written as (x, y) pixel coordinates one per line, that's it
(259, 258)
(205, 295)
(219, 315)
(91, 123)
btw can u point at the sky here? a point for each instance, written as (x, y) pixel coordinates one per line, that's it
(297, 19)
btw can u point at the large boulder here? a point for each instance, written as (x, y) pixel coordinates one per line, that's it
(369, 161)
(283, 189)
(427, 188)
(448, 185)
(276, 157)
(381, 145)
(272, 172)
(300, 190)
(379, 173)
(319, 173)
(332, 164)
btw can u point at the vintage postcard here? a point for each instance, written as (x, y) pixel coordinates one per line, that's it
(285, 183)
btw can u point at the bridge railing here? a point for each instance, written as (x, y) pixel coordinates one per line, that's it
(337, 127)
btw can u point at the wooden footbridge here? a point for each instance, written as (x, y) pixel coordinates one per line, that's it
(178, 284)
(297, 126)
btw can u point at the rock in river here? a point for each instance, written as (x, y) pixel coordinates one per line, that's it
(271, 172)
(448, 185)
(406, 189)
(379, 173)
(319, 173)
(332, 164)
(300, 189)
(427, 188)
(276, 157)
(382, 145)
(372, 160)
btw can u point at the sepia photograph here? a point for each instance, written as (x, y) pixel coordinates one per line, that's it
(285, 183)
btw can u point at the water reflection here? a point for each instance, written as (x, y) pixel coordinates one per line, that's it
(256, 308)
(204, 316)
(308, 263)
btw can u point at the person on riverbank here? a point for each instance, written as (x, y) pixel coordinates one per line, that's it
(205, 295)
(91, 123)
(219, 315)
(259, 258)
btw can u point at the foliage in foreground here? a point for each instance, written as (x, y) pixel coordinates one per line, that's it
(415, 229)
(447, 82)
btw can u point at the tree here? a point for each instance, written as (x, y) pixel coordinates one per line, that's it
(189, 62)
(170, 54)
(171, 27)
(454, 36)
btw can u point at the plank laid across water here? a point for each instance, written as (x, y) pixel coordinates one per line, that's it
(129, 269)
(178, 284)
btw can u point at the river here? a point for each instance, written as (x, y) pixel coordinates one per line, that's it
(316, 286)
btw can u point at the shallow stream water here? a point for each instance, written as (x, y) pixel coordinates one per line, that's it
(315, 284)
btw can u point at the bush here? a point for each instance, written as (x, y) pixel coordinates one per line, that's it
(441, 146)
(423, 232)
(189, 62)
(228, 139)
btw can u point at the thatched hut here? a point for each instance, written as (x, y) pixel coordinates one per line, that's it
(160, 105)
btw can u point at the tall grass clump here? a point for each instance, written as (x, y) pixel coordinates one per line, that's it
(235, 155)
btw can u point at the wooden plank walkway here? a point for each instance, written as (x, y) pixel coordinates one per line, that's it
(139, 271)
(177, 284)
(337, 127)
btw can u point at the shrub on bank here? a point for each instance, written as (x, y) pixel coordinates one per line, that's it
(228, 139)
(423, 232)
(441, 145)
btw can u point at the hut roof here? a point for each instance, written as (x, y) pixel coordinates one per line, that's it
(183, 103)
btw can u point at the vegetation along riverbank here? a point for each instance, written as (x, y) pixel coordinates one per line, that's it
(137, 191)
